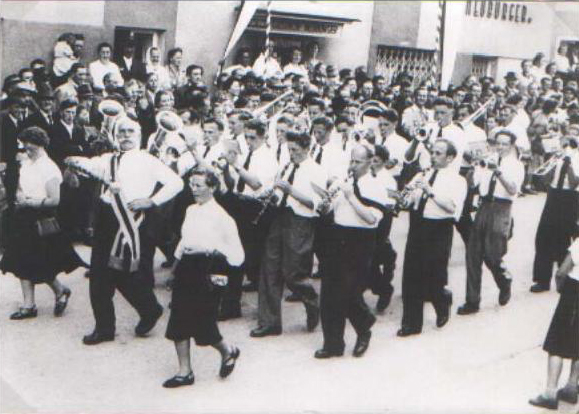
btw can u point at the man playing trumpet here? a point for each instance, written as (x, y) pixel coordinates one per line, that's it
(558, 224)
(498, 183)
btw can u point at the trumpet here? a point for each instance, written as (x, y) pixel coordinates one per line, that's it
(168, 122)
(111, 111)
(549, 165)
(482, 160)
(423, 131)
(328, 196)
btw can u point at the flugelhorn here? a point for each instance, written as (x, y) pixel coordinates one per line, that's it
(550, 164)
(476, 114)
(111, 111)
(167, 122)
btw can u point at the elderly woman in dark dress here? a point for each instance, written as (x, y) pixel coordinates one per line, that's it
(562, 341)
(37, 251)
(209, 246)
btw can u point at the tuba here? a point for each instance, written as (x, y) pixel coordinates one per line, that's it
(111, 111)
(167, 122)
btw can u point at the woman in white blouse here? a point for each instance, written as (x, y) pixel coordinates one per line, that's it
(37, 251)
(208, 248)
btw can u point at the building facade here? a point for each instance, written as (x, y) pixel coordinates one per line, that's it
(385, 36)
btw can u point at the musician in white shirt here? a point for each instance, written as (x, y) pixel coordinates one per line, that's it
(435, 204)
(498, 184)
(207, 153)
(132, 177)
(326, 152)
(394, 143)
(288, 251)
(357, 206)
(558, 224)
(236, 121)
(380, 280)
(417, 115)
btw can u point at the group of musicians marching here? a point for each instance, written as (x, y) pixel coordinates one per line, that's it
(333, 197)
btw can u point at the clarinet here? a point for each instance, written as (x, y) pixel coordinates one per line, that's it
(268, 200)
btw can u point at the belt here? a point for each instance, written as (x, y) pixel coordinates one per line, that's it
(492, 199)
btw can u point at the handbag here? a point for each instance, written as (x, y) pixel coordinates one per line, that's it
(47, 226)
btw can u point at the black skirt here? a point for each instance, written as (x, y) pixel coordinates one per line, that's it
(195, 300)
(36, 258)
(563, 335)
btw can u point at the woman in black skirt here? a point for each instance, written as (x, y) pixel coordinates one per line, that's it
(208, 248)
(37, 251)
(562, 341)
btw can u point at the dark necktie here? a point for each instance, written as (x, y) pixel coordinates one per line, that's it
(563, 173)
(439, 133)
(345, 142)
(290, 180)
(493, 183)
(49, 118)
(278, 153)
(319, 156)
(424, 197)
(241, 182)
(206, 151)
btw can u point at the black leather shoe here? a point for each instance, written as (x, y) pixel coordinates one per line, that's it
(24, 313)
(467, 309)
(316, 275)
(313, 317)
(146, 325)
(538, 288)
(406, 331)
(62, 302)
(96, 338)
(383, 302)
(325, 354)
(293, 297)
(179, 381)
(225, 315)
(548, 403)
(262, 331)
(362, 344)
(443, 315)
(250, 287)
(505, 294)
(568, 395)
(228, 364)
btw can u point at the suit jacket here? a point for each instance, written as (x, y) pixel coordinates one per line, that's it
(137, 70)
(38, 120)
(8, 150)
(63, 145)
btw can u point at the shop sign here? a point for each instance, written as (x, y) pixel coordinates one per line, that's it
(498, 10)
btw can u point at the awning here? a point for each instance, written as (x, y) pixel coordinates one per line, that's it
(295, 23)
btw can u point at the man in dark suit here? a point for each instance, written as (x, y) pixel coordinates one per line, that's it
(44, 118)
(68, 139)
(130, 67)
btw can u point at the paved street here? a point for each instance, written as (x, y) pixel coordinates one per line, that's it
(488, 363)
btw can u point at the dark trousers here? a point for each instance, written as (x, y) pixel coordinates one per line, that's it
(322, 238)
(557, 229)
(425, 272)
(104, 280)
(75, 207)
(244, 210)
(383, 260)
(465, 222)
(343, 285)
(488, 244)
(287, 260)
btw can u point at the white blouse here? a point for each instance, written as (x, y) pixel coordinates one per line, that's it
(35, 174)
(208, 227)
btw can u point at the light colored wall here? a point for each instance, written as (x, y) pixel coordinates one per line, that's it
(66, 12)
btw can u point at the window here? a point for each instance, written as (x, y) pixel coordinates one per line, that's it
(393, 61)
(483, 66)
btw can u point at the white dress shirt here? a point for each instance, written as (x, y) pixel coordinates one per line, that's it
(387, 182)
(512, 170)
(448, 184)
(208, 227)
(98, 71)
(370, 188)
(162, 74)
(295, 69)
(138, 173)
(574, 164)
(397, 147)
(333, 159)
(266, 68)
(262, 165)
(308, 172)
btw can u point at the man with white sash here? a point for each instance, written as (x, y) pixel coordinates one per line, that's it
(130, 177)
